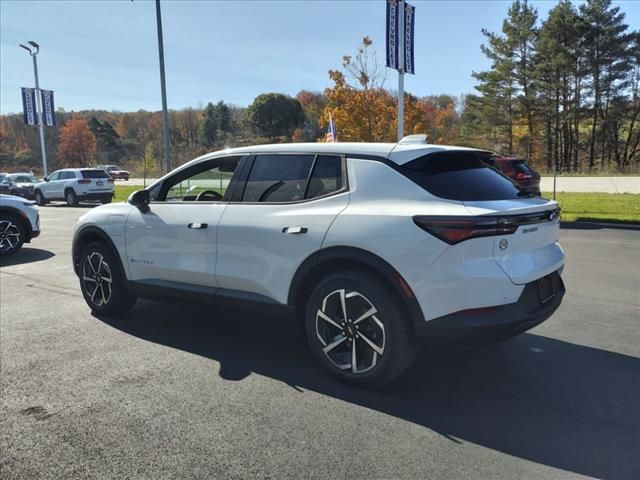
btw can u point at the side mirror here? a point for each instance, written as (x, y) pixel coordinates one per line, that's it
(140, 199)
(46, 179)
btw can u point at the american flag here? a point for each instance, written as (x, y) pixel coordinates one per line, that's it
(332, 135)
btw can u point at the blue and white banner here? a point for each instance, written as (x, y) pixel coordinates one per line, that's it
(29, 105)
(409, 28)
(392, 34)
(48, 108)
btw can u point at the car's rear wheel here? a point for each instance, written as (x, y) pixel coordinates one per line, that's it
(71, 198)
(102, 281)
(358, 330)
(40, 200)
(12, 234)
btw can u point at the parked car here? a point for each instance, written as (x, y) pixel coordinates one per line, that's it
(520, 172)
(18, 184)
(115, 171)
(369, 246)
(19, 223)
(75, 185)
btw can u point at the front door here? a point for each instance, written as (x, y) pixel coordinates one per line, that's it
(174, 243)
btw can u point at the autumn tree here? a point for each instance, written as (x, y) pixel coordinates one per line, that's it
(362, 109)
(77, 147)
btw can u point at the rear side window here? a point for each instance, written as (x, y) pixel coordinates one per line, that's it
(67, 175)
(94, 174)
(278, 178)
(460, 176)
(326, 177)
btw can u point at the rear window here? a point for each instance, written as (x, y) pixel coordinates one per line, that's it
(521, 166)
(94, 174)
(462, 176)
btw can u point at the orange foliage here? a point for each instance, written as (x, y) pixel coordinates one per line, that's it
(77, 146)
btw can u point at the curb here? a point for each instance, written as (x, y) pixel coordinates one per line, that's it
(585, 225)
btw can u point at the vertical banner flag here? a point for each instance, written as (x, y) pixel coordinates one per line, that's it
(29, 105)
(392, 34)
(409, 24)
(48, 108)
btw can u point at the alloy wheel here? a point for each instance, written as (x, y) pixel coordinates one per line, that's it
(9, 236)
(350, 332)
(96, 279)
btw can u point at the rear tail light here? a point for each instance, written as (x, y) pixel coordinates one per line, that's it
(84, 181)
(458, 229)
(522, 176)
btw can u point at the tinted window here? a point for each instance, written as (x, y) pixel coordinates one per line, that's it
(460, 176)
(522, 166)
(207, 181)
(23, 178)
(67, 175)
(54, 176)
(278, 178)
(326, 177)
(93, 174)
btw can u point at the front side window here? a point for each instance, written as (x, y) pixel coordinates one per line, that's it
(54, 176)
(207, 181)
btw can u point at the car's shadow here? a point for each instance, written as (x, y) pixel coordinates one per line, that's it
(548, 401)
(25, 255)
(64, 205)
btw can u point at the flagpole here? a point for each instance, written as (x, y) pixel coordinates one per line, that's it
(401, 47)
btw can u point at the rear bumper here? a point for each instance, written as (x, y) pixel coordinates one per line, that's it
(497, 323)
(95, 196)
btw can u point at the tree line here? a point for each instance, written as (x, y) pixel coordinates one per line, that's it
(560, 92)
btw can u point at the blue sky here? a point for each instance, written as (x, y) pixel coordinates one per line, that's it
(103, 54)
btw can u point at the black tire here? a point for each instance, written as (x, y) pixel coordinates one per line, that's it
(39, 198)
(71, 198)
(395, 340)
(12, 234)
(106, 298)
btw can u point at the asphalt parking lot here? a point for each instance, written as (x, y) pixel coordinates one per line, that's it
(185, 392)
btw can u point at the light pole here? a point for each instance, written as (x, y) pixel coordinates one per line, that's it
(33, 51)
(165, 115)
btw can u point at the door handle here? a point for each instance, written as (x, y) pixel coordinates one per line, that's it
(295, 230)
(197, 226)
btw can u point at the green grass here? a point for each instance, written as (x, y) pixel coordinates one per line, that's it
(123, 192)
(609, 207)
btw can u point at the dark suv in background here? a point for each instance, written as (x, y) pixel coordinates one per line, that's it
(18, 184)
(519, 171)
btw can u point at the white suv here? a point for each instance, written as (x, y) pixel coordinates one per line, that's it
(75, 185)
(370, 246)
(19, 223)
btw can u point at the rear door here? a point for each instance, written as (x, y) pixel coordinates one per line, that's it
(279, 217)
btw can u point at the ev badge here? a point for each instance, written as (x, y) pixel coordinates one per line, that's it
(503, 244)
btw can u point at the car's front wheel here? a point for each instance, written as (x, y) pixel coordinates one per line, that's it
(12, 235)
(102, 281)
(358, 330)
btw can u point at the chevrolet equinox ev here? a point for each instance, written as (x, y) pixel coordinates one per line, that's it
(370, 246)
